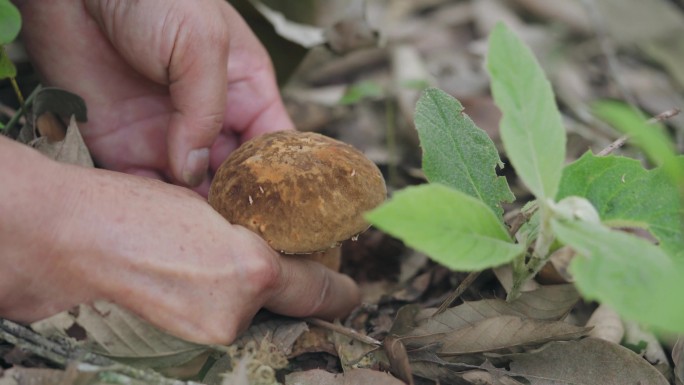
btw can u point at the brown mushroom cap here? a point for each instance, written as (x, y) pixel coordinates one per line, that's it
(302, 192)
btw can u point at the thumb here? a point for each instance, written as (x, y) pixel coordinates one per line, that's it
(186, 50)
(197, 86)
(198, 96)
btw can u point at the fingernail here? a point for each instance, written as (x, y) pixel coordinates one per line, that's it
(196, 165)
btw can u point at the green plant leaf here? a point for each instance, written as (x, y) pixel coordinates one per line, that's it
(451, 227)
(651, 138)
(359, 91)
(456, 152)
(531, 126)
(633, 276)
(7, 68)
(10, 22)
(626, 194)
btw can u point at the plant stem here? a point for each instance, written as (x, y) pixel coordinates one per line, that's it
(523, 272)
(391, 133)
(17, 91)
(10, 131)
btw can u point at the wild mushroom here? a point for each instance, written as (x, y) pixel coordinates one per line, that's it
(304, 193)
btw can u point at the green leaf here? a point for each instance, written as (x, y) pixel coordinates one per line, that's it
(626, 194)
(7, 68)
(10, 22)
(452, 228)
(633, 276)
(650, 137)
(531, 127)
(456, 152)
(360, 91)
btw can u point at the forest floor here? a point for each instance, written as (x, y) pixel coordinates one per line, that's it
(361, 87)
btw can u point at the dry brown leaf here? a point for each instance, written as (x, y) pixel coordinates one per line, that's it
(70, 150)
(405, 320)
(427, 364)
(489, 375)
(60, 102)
(588, 361)
(353, 353)
(507, 333)
(315, 340)
(398, 359)
(545, 303)
(351, 377)
(281, 332)
(556, 270)
(115, 332)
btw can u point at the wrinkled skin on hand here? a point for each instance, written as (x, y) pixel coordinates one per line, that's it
(154, 248)
(161, 78)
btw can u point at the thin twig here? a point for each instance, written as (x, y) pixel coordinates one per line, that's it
(665, 115)
(62, 353)
(462, 287)
(621, 140)
(351, 333)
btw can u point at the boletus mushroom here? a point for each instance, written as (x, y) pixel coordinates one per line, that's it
(304, 193)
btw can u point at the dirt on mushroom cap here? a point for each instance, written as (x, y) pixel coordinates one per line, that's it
(302, 192)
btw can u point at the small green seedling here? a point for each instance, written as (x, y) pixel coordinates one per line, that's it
(457, 218)
(10, 24)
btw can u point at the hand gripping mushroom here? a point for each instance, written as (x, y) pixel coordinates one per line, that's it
(304, 193)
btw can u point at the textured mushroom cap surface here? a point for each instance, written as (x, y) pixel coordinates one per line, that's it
(300, 191)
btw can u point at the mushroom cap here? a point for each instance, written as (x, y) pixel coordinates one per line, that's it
(302, 192)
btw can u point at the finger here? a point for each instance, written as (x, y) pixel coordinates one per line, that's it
(197, 75)
(254, 105)
(307, 288)
(188, 51)
(224, 145)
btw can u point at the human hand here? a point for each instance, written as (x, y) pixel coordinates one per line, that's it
(156, 249)
(171, 86)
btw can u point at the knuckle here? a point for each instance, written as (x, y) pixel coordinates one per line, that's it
(221, 333)
(264, 274)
